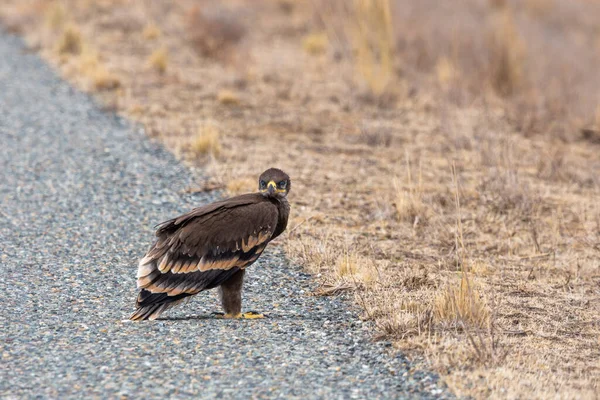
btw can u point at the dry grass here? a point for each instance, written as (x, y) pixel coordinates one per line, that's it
(462, 304)
(151, 31)
(214, 34)
(315, 43)
(70, 41)
(487, 272)
(159, 60)
(240, 186)
(362, 29)
(446, 72)
(55, 16)
(206, 142)
(228, 97)
(87, 65)
(409, 203)
(373, 42)
(507, 53)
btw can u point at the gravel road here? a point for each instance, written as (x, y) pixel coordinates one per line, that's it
(80, 192)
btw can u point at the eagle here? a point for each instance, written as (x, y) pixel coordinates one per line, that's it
(211, 247)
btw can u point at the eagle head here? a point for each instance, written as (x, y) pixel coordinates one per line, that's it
(274, 183)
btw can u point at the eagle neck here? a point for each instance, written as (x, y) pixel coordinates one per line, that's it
(284, 212)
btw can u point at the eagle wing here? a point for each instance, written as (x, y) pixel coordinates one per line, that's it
(202, 249)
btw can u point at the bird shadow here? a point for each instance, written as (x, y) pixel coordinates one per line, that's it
(188, 318)
(268, 317)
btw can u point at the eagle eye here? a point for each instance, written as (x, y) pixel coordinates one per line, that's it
(262, 184)
(282, 184)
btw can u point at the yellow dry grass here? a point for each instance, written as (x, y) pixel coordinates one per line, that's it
(70, 41)
(363, 29)
(507, 53)
(159, 60)
(228, 97)
(55, 15)
(206, 142)
(315, 43)
(469, 243)
(446, 71)
(151, 31)
(373, 42)
(240, 186)
(460, 303)
(96, 76)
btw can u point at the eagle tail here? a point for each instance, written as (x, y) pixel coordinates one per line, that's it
(151, 305)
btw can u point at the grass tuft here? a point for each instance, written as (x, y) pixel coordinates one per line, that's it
(409, 200)
(159, 60)
(464, 303)
(507, 53)
(55, 16)
(373, 42)
(363, 30)
(206, 142)
(103, 79)
(446, 71)
(228, 97)
(70, 42)
(214, 35)
(355, 268)
(242, 185)
(315, 43)
(151, 31)
(88, 64)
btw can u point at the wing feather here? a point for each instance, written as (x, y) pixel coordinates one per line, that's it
(196, 251)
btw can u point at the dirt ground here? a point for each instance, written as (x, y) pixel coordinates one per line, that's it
(466, 226)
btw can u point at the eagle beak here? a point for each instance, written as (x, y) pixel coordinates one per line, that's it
(271, 187)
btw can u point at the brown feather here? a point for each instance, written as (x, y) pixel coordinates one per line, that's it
(203, 248)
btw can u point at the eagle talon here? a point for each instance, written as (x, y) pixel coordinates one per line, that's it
(246, 315)
(253, 315)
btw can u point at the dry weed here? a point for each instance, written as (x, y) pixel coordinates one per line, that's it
(408, 319)
(159, 60)
(315, 43)
(316, 254)
(376, 135)
(353, 267)
(446, 72)
(103, 79)
(366, 28)
(97, 76)
(55, 16)
(464, 303)
(228, 97)
(214, 34)
(241, 185)
(151, 31)
(409, 203)
(70, 41)
(206, 142)
(507, 53)
(373, 42)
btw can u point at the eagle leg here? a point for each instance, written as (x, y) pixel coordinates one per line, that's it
(231, 298)
(231, 294)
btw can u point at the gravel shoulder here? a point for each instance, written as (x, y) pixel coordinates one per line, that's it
(80, 193)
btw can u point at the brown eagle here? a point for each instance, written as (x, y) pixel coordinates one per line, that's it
(210, 247)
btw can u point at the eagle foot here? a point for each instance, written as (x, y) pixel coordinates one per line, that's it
(246, 315)
(252, 315)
